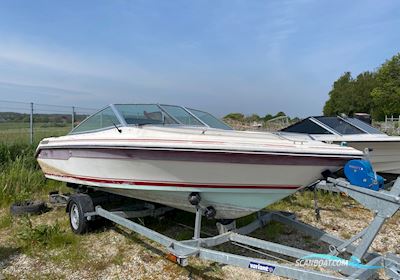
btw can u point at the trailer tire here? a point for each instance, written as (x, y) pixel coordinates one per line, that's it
(27, 207)
(78, 205)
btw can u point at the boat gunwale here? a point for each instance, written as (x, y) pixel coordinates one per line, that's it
(199, 150)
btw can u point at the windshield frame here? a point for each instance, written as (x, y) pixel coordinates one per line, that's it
(187, 111)
(123, 123)
(162, 111)
(362, 125)
(191, 110)
(334, 131)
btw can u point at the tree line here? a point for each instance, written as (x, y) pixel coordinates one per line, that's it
(40, 118)
(254, 117)
(374, 92)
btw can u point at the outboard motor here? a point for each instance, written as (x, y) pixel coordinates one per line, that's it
(360, 173)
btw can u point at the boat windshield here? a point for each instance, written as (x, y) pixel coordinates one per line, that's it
(181, 115)
(340, 125)
(306, 126)
(101, 120)
(209, 119)
(364, 126)
(141, 114)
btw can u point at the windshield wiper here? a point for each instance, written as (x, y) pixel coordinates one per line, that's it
(119, 130)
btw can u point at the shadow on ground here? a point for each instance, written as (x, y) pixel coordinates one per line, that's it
(5, 255)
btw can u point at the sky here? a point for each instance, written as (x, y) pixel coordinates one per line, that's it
(221, 56)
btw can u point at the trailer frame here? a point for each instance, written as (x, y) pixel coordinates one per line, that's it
(384, 204)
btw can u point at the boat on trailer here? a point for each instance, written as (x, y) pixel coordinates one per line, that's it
(172, 155)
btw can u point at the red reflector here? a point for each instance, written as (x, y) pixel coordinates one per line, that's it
(172, 257)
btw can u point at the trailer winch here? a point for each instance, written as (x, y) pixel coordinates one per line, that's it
(360, 173)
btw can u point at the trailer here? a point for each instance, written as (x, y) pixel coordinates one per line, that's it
(353, 255)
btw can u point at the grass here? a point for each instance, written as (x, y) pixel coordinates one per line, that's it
(19, 132)
(53, 242)
(21, 179)
(43, 236)
(305, 200)
(6, 221)
(273, 230)
(20, 175)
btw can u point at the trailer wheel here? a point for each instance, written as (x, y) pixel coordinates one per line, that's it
(77, 206)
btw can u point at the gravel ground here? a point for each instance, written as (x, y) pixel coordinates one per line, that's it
(113, 253)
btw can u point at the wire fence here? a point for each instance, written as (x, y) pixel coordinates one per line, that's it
(31, 122)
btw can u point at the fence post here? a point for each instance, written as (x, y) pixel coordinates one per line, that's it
(73, 117)
(386, 123)
(31, 124)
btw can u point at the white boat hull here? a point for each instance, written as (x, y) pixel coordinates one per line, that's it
(233, 189)
(384, 155)
(384, 150)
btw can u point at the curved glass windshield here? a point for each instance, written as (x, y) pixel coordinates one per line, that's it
(209, 119)
(339, 125)
(181, 115)
(306, 126)
(364, 126)
(141, 114)
(103, 119)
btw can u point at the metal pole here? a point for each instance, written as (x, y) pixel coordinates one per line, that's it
(31, 124)
(369, 236)
(73, 117)
(197, 224)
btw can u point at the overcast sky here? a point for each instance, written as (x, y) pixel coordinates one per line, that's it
(221, 56)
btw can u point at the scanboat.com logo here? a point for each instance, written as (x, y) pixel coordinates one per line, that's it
(320, 260)
(329, 260)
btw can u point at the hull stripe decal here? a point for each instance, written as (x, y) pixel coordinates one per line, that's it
(175, 184)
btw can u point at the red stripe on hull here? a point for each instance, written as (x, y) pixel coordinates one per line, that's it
(175, 184)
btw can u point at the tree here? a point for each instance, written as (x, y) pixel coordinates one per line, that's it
(280, 114)
(386, 96)
(361, 100)
(340, 89)
(268, 117)
(235, 116)
(253, 118)
(295, 119)
(350, 95)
